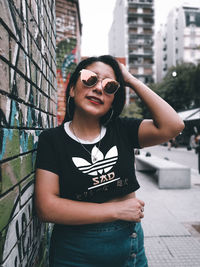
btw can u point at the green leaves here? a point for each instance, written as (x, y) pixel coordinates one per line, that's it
(181, 91)
(132, 110)
(180, 88)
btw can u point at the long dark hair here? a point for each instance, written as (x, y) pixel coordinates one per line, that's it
(119, 99)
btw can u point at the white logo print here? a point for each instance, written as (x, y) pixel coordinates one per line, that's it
(99, 164)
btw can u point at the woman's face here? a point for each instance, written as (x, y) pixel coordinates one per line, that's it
(93, 101)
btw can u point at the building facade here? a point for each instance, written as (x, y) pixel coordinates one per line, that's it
(131, 36)
(159, 54)
(180, 37)
(68, 42)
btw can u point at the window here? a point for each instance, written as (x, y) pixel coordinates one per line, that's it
(176, 24)
(192, 18)
(192, 53)
(140, 60)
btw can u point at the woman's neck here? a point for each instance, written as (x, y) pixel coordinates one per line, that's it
(85, 129)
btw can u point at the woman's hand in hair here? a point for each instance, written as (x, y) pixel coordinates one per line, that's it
(126, 74)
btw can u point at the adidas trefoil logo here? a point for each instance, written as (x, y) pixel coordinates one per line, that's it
(99, 164)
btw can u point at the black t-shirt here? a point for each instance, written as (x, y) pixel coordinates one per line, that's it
(95, 172)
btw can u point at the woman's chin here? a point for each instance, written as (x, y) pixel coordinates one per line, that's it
(93, 112)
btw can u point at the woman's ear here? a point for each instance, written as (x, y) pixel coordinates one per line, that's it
(71, 92)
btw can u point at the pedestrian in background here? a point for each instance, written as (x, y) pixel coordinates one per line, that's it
(192, 142)
(85, 177)
(198, 149)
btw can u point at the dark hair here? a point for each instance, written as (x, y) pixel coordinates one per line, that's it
(119, 98)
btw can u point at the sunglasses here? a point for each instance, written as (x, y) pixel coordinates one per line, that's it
(90, 79)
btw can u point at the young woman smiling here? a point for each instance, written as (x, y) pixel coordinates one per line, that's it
(85, 177)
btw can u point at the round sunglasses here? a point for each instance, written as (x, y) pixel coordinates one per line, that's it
(90, 79)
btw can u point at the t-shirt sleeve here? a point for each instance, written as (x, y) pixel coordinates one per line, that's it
(131, 127)
(46, 158)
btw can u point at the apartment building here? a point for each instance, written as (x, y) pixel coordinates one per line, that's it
(131, 36)
(180, 37)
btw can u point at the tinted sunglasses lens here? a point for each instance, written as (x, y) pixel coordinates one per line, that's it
(88, 78)
(110, 86)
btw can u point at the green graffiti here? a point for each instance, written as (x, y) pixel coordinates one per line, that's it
(66, 56)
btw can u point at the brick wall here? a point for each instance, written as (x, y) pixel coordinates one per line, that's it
(27, 105)
(68, 35)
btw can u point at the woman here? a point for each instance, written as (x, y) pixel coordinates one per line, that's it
(85, 177)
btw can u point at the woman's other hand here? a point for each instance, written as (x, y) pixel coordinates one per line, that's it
(131, 209)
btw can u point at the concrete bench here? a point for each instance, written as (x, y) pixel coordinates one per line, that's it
(170, 175)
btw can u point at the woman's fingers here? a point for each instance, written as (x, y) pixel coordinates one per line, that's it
(141, 202)
(131, 209)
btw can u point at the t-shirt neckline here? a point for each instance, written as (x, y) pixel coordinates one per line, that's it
(94, 141)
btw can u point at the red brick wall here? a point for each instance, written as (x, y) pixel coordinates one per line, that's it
(68, 33)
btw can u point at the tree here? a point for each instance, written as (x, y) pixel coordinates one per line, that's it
(180, 87)
(132, 110)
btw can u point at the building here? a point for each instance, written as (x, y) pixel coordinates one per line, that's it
(159, 56)
(131, 36)
(180, 37)
(68, 42)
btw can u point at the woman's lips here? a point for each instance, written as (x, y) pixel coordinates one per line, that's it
(95, 100)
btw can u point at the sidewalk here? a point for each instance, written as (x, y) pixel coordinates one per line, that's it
(170, 238)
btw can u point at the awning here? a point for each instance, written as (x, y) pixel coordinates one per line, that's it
(189, 115)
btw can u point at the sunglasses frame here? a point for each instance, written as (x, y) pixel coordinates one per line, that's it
(89, 86)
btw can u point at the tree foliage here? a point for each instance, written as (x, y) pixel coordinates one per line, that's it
(132, 110)
(180, 88)
(181, 91)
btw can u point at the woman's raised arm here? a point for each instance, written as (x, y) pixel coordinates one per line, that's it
(165, 123)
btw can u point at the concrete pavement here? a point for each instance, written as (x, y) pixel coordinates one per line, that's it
(172, 218)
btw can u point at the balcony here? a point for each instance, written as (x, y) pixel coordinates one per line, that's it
(147, 31)
(140, 61)
(140, 42)
(147, 77)
(132, 10)
(136, 15)
(140, 35)
(143, 24)
(140, 3)
(137, 64)
(132, 31)
(141, 54)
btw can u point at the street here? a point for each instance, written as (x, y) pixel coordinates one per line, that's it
(180, 155)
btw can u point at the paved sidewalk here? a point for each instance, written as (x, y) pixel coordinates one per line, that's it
(169, 223)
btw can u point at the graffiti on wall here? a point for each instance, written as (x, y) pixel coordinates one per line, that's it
(67, 49)
(66, 58)
(24, 233)
(27, 106)
(66, 63)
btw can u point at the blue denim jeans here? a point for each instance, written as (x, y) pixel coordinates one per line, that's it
(118, 244)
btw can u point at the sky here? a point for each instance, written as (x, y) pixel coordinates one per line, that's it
(97, 16)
